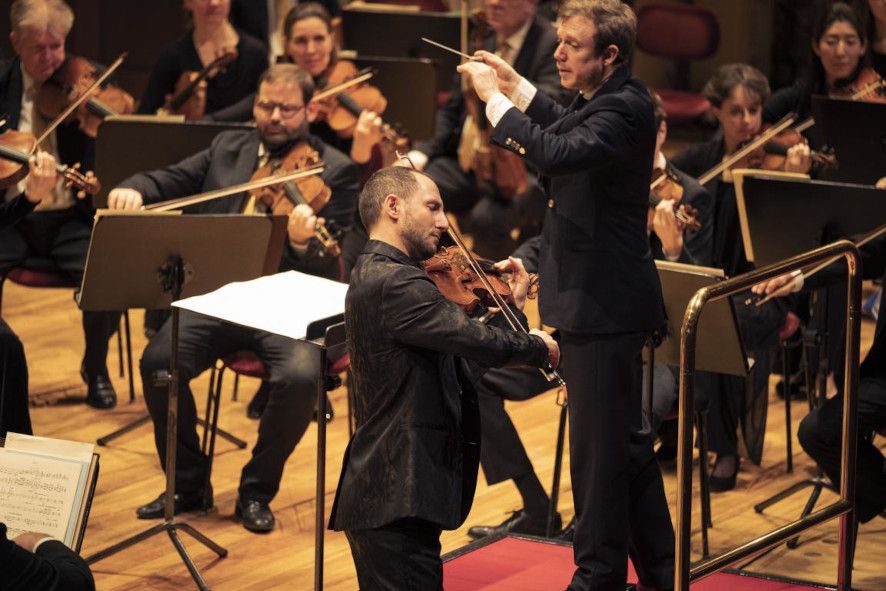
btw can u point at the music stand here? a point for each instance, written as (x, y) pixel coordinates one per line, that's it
(720, 350)
(165, 257)
(766, 200)
(128, 144)
(856, 130)
(317, 322)
(410, 85)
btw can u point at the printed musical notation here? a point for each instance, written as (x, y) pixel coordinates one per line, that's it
(36, 493)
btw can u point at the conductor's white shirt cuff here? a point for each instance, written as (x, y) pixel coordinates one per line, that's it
(496, 107)
(523, 94)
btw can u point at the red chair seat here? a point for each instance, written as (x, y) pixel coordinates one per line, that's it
(683, 107)
(246, 363)
(340, 365)
(790, 326)
(40, 278)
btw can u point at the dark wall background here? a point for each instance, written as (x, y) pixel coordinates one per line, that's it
(105, 28)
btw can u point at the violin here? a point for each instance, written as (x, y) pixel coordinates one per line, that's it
(68, 83)
(185, 98)
(868, 86)
(16, 148)
(493, 166)
(772, 155)
(344, 98)
(667, 186)
(454, 276)
(282, 198)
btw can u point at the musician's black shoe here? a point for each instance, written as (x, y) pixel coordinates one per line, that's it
(257, 405)
(193, 501)
(520, 522)
(100, 391)
(330, 413)
(256, 516)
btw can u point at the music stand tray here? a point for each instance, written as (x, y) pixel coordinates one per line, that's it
(303, 308)
(163, 257)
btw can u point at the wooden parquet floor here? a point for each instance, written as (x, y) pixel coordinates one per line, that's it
(49, 325)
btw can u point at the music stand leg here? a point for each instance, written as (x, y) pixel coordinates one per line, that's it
(558, 468)
(103, 441)
(321, 472)
(175, 274)
(129, 357)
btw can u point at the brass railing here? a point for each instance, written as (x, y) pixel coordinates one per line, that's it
(683, 571)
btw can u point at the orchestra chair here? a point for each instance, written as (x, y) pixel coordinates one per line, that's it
(681, 33)
(43, 273)
(247, 363)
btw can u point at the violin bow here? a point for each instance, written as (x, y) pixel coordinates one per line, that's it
(770, 133)
(232, 190)
(83, 96)
(874, 234)
(339, 88)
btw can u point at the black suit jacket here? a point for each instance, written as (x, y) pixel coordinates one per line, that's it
(73, 145)
(54, 567)
(231, 159)
(416, 449)
(594, 159)
(534, 62)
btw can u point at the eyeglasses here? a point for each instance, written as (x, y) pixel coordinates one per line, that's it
(286, 111)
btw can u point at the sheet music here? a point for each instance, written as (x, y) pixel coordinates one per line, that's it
(37, 493)
(284, 304)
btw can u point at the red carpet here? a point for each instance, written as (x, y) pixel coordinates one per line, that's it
(520, 564)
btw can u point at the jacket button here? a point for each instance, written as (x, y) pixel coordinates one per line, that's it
(551, 203)
(522, 150)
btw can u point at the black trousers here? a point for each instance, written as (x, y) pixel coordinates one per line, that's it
(401, 556)
(62, 237)
(14, 415)
(502, 455)
(821, 433)
(291, 401)
(620, 504)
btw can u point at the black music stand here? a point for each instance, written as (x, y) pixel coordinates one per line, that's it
(128, 144)
(166, 257)
(317, 323)
(765, 201)
(402, 38)
(856, 130)
(720, 348)
(410, 85)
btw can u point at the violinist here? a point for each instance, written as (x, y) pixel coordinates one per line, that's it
(233, 157)
(526, 41)
(210, 37)
(410, 471)
(839, 67)
(59, 229)
(737, 93)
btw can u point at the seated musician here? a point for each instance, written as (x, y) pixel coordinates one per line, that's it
(410, 470)
(526, 41)
(231, 159)
(839, 58)
(821, 431)
(59, 229)
(211, 36)
(737, 93)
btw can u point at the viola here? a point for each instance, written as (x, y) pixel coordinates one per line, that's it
(68, 83)
(16, 148)
(667, 186)
(457, 280)
(185, 98)
(868, 86)
(282, 198)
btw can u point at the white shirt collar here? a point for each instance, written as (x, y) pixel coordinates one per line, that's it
(28, 83)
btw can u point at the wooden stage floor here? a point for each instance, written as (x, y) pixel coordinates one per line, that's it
(49, 325)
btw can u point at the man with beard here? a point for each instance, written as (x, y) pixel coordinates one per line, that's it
(232, 158)
(411, 468)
